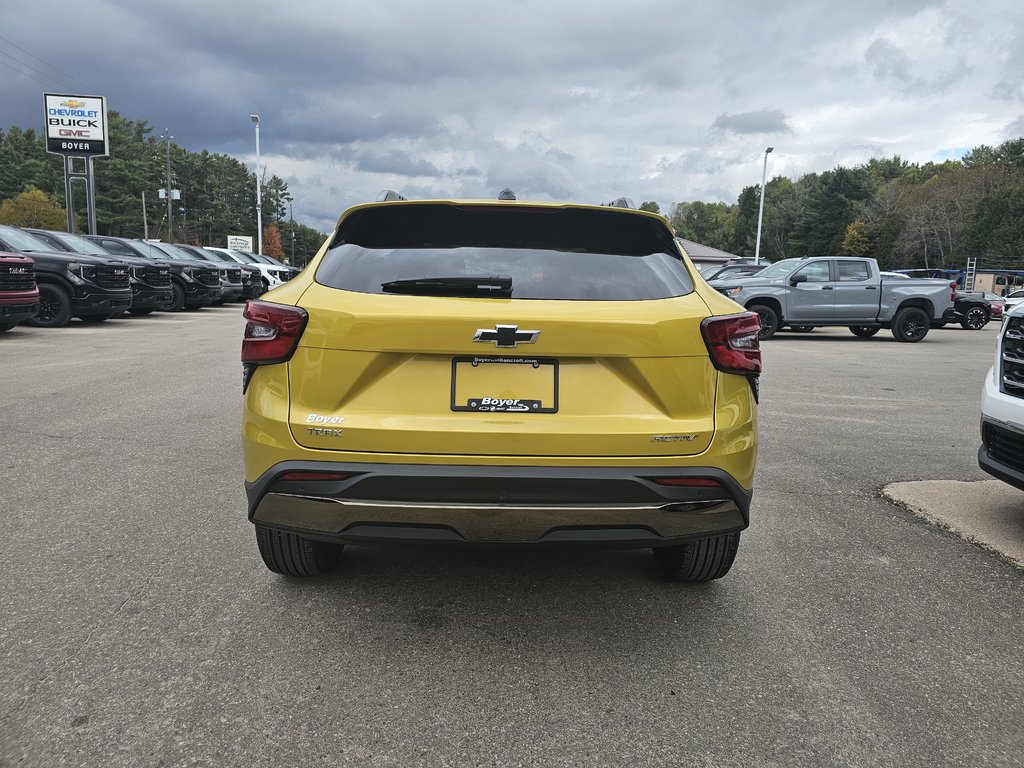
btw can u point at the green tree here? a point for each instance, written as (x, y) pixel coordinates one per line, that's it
(651, 206)
(33, 208)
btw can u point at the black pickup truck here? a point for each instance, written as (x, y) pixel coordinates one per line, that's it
(191, 286)
(70, 284)
(150, 281)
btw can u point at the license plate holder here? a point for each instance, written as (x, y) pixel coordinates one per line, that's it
(488, 384)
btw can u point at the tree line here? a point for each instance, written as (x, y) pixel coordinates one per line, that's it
(218, 192)
(904, 214)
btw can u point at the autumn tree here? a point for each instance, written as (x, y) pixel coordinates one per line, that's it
(33, 208)
(272, 241)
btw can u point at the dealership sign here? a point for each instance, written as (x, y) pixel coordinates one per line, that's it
(76, 125)
(239, 243)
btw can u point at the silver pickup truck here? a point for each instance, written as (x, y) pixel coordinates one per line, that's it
(839, 290)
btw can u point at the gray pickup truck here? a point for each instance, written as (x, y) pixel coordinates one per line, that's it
(839, 290)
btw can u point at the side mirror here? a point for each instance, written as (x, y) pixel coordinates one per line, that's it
(797, 279)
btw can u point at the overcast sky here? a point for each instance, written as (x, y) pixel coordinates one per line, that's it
(585, 101)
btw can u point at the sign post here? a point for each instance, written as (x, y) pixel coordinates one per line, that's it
(76, 128)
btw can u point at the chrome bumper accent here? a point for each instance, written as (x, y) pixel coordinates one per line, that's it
(495, 522)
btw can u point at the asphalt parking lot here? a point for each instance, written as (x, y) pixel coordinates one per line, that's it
(140, 628)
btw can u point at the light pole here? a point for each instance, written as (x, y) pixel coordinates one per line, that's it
(170, 230)
(259, 190)
(291, 221)
(760, 209)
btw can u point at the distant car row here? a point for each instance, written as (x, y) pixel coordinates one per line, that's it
(46, 277)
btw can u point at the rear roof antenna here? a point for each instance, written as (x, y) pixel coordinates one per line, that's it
(506, 194)
(621, 202)
(388, 196)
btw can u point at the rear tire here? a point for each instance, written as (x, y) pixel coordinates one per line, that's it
(910, 325)
(54, 307)
(294, 555)
(974, 319)
(801, 328)
(6, 326)
(864, 331)
(701, 560)
(769, 320)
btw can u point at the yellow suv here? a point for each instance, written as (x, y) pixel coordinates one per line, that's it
(500, 373)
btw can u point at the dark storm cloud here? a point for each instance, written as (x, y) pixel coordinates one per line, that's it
(759, 121)
(395, 161)
(464, 98)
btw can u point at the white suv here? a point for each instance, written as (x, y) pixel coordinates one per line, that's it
(1002, 405)
(272, 277)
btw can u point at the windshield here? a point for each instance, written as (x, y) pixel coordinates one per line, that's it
(23, 241)
(79, 244)
(178, 253)
(780, 268)
(245, 257)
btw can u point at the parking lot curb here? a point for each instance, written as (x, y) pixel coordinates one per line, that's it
(986, 513)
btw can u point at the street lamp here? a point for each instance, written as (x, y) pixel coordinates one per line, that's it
(259, 190)
(760, 209)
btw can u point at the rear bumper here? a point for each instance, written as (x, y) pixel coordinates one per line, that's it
(520, 506)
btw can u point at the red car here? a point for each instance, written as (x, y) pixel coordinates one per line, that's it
(997, 303)
(19, 295)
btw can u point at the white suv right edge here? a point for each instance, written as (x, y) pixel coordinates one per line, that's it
(1002, 405)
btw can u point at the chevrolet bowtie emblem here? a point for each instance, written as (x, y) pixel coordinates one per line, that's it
(506, 336)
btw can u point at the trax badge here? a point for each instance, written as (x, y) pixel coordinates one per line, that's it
(673, 438)
(325, 424)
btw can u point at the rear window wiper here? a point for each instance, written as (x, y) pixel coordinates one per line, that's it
(474, 285)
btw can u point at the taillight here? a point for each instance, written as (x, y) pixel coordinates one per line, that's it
(732, 342)
(272, 333)
(952, 292)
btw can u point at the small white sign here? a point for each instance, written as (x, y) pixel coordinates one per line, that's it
(76, 125)
(239, 243)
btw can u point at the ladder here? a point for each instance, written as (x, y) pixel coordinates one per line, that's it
(972, 268)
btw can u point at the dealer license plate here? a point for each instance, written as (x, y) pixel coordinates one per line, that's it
(505, 384)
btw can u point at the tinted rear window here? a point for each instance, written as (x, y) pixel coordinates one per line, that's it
(550, 253)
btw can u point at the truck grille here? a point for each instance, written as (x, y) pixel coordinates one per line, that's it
(17, 277)
(235, 275)
(158, 277)
(209, 276)
(1011, 375)
(111, 276)
(1004, 445)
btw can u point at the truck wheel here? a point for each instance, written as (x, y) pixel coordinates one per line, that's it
(294, 555)
(145, 311)
(864, 331)
(769, 320)
(702, 560)
(177, 302)
(911, 324)
(801, 328)
(975, 319)
(6, 326)
(54, 307)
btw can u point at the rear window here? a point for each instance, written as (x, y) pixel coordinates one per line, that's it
(550, 253)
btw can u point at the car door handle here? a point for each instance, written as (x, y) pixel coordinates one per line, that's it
(826, 287)
(870, 287)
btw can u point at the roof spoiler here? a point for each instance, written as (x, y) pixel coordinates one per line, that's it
(388, 196)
